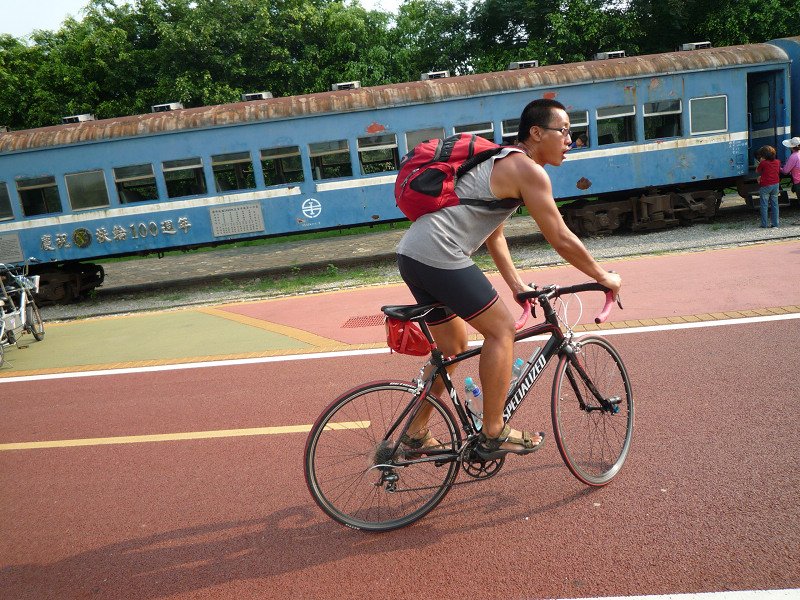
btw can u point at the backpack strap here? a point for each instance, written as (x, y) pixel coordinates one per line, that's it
(488, 203)
(473, 162)
(479, 158)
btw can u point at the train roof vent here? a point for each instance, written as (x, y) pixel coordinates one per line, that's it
(256, 96)
(695, 46)
(346, 85)
(166, 107)
(434, 75)
(77, 118)
(609, 55)
(523, 64)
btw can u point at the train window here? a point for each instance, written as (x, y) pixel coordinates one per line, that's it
(420, 135)
(135, 183)
(281, 165)
(5, 203)
(330, 160)
(39, 196)
(662, 119)
(510, 130)
(616, 124)
(378, 153)
(579, 125)
(233, 171)
(184, 177)
(708, 115)
(759, 103)
(484, 130)
(87, 190)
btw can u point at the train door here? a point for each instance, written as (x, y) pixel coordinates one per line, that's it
(762, 112)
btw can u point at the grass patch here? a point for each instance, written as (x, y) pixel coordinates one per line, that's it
(302, 280)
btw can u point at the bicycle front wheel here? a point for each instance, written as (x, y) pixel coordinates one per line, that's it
(351, 472)
(593, 439)
(35, 323)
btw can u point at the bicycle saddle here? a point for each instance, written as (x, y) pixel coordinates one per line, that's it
(408, 312)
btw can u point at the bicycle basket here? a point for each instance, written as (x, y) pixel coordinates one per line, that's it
(406, 337)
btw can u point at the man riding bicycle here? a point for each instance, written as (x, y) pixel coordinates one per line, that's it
(434, 258)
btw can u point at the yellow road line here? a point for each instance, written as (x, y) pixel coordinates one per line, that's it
(292, 332)
(173, 437)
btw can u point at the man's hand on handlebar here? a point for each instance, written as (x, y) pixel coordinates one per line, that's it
(612, 281)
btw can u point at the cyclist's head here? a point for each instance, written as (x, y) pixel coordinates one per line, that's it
(539, 112)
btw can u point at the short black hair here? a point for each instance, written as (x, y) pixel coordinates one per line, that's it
(538, 112)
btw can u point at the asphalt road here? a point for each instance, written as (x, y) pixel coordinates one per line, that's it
(706, 501)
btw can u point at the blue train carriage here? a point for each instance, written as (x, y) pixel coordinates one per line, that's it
(672, 131)
(663, 135)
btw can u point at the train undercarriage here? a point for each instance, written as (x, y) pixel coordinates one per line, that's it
(63, 283)
(649, 211)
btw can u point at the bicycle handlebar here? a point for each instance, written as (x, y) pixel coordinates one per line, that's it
(554, 291)
(526, 313)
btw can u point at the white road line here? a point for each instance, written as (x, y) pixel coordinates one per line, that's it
(339, 354)
(787, 594)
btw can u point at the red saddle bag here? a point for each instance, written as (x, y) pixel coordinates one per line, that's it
(406, 337)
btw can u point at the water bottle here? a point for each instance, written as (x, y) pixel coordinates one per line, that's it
(516, 371)
(474, 402)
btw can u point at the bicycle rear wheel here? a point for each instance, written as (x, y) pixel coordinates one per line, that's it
(593, 441)
(349, 468)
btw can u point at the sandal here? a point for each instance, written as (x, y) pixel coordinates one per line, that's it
(491, 448)
(419, 444)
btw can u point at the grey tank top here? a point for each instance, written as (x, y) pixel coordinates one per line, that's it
(447, 238)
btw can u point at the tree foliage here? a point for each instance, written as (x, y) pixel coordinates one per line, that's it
(121, 58)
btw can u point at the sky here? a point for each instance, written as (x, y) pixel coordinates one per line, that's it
(21, 17)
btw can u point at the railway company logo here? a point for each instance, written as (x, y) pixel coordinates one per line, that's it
(312, 208)
(82, 237)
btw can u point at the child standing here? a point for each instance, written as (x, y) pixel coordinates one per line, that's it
(769, 180)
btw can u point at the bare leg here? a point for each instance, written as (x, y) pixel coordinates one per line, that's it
(497, 327)
(451, 338)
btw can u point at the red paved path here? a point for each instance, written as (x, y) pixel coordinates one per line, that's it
(706, 502)
(733, 279)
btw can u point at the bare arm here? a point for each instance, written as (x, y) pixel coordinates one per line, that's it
(522, 178)
(497, 246)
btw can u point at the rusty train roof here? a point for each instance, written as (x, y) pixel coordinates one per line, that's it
(384, 96)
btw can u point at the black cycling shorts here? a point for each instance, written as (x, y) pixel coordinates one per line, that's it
(464, 292)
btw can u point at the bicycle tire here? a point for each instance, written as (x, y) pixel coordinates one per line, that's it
(35, 323)
(344, 446)
(593, 443)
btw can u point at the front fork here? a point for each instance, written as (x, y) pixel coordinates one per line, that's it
(610, 404)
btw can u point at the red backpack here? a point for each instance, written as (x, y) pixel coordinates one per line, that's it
(428, 174)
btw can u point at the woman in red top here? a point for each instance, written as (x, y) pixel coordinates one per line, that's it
(769, 169)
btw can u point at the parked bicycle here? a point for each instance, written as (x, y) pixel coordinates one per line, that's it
(18, 311)
(362, 474)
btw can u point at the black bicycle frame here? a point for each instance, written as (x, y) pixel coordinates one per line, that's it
(531, 371)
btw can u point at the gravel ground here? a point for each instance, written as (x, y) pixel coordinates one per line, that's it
(734, 226)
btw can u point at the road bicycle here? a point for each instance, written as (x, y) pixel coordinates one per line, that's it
(18, 310)
(363, 476)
